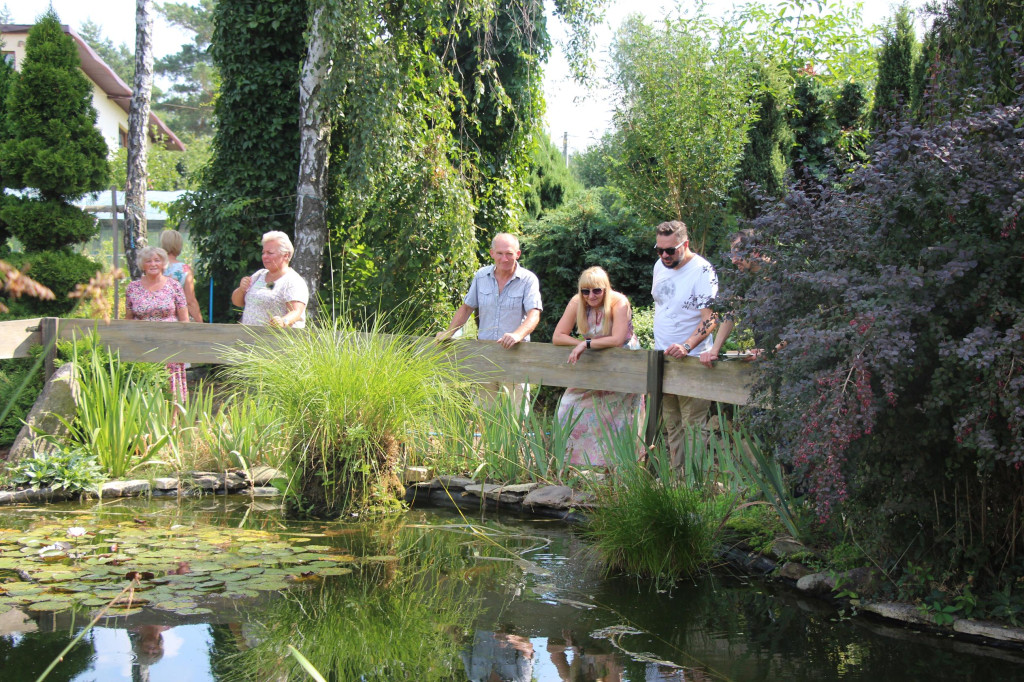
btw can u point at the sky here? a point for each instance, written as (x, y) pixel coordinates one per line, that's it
(583, 114)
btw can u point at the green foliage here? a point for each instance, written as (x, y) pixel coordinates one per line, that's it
(851, 112)
(895, 86)
(348, 399)
(596, 229)
(41, 224)
(13, 373)
(121, 421)
(249, 186)
(7, 76)
(550, 182)
(654, 527)
(72, 469)
(825, 36)
(188, 105)
(972, 49)
(814, 129)
(58, 270)
(682, 113)
(762, 169)
(591, 166)
(167, 170)
(54, 146)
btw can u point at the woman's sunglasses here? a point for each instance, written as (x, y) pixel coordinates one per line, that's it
(671, 250)
(597, 292)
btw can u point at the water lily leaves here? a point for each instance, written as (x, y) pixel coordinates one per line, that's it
(172, 568)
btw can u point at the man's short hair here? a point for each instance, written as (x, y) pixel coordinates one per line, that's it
(676, 228)
(511, 237)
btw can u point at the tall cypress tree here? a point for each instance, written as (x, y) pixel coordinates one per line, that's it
(55, 149)
(6, 79)
(766, 153)
(895, 86)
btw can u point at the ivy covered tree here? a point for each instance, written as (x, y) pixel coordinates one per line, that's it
(895, 85)
(56, 153)
(249, 186)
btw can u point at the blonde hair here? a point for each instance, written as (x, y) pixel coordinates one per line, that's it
(591, 278)
(145, 254)
(172, 242)
(282, 239)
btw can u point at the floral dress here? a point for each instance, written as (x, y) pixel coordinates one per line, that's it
(160, 306)
(601, 413)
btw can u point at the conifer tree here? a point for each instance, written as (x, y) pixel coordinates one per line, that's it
(54, 151)
(6, 79)
(766, 153)
(54, 146)
(895, 85)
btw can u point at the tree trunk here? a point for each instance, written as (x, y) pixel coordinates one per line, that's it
(138, 128)
(315, 136)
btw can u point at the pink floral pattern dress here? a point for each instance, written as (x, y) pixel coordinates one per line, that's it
(160, 306)
(600, 412)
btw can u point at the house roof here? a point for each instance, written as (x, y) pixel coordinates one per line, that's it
(108, 81)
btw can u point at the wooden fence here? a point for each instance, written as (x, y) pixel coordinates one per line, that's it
(612, 369)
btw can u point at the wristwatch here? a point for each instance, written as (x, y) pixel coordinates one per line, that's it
(686, 347)
(588, 343)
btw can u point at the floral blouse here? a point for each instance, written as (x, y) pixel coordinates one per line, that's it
(155, 306)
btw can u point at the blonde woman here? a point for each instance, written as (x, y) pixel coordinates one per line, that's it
(603, 319)
(173, 243)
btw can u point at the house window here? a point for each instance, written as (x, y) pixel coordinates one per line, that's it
(122, 137)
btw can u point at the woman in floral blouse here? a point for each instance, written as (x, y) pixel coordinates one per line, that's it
(158, 298)
(275, 295)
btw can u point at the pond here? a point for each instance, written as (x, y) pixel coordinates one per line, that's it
(429, 595)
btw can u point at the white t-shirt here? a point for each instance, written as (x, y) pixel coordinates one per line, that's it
(678, 297)
(263, 301)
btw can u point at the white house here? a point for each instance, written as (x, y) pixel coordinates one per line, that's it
(110, 95)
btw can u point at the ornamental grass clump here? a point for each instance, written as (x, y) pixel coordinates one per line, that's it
(348, 400)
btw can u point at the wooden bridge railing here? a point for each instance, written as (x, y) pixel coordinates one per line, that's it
(612, 369)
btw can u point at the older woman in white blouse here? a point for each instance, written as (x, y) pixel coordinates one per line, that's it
(275, 295)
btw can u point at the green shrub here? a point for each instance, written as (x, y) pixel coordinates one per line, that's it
(59, 270)
(13, 373)
(73, 469)
(36, 223)
(348, 400)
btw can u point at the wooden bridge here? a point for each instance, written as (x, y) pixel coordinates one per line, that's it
(612, 369)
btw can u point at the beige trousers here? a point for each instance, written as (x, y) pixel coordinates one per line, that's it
(681, 412)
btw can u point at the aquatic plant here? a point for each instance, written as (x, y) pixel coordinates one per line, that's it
(347, 399)
(653, 526)
(121, 420)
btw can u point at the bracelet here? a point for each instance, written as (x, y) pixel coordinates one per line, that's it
(588, 344)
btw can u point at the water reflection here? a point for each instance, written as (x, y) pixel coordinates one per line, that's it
(436, 598)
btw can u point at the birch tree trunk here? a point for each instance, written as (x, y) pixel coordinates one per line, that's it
(138, 128)
(315, 142)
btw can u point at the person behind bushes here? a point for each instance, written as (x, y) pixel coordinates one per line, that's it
(172, 242)
(604, 319)
(275, 295)
(155, 297)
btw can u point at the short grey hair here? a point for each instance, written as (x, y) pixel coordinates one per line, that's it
(148, 252)
(282, 239)
(505, 235)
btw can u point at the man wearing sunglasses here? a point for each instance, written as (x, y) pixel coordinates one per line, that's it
(684, 287)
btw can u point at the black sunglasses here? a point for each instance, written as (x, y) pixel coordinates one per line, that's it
(597, 292)
(671, 250)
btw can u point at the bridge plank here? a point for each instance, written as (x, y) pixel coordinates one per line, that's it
(17, 336)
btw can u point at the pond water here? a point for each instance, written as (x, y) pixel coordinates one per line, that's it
(431, 595)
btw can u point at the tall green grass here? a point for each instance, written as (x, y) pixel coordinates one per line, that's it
(347, 399)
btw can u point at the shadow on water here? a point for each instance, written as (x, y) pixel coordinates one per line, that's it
(432, 597)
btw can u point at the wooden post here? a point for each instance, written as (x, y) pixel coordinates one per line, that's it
(655, 375)
(113, 221)
(48, 328)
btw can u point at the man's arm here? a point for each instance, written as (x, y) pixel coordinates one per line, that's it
(530, 322)
(460, 318)
(705, 327)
